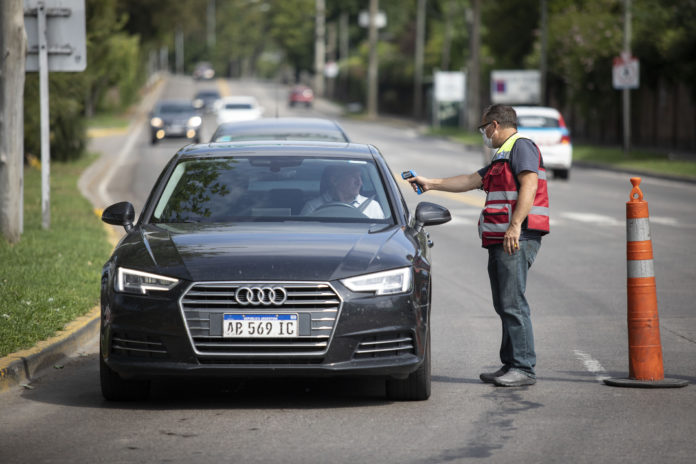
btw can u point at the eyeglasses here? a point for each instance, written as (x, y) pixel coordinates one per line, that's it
(482, 127)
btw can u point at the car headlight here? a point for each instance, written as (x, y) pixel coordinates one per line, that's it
(156, 122)
(198, 103)
(132, 281)
(195, 121)
(382, 283)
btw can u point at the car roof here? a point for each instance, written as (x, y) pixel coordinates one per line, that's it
(537, 111)
(239, 99)
(279, 148)
(278, 123)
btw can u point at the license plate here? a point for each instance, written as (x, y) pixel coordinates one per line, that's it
(260, 325)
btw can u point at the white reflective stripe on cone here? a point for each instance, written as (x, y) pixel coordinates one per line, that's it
(640, 268)
(638, 230)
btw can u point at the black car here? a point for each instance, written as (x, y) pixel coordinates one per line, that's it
(229, 273)
(175, 118)
(205, 100)
(316, 129)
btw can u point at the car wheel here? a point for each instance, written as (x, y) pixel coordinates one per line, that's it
(415, 387)
(114, 388)
(308, 104)
(153, 140)
(561, 173)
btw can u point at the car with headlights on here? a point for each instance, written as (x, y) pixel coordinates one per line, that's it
(243, 263)
(175, 118)
(287, 128)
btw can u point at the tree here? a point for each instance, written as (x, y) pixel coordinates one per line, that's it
(12, 46)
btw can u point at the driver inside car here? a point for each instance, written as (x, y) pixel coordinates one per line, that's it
(340, 186)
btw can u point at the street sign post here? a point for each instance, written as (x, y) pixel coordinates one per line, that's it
(56, 41)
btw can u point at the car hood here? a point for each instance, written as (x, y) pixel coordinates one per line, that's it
(258, 251)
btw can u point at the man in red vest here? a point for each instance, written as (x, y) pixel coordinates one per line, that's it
(514, 218)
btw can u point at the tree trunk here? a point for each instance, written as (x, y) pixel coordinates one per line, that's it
(13, 45)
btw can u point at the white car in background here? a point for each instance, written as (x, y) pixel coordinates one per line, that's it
(546, 127)
(237, 108)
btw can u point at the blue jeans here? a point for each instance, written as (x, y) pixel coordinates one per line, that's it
(508, 275)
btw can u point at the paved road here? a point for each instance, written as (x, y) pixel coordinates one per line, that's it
(577, 289)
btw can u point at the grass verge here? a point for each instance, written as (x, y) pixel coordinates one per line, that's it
(51, 276)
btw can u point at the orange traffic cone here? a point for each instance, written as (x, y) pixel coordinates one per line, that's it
(645, 368)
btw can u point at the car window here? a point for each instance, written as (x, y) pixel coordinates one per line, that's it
(537, 121)
(238, 106)
(253, 189)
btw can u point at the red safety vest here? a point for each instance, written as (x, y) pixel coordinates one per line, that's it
(500, 186)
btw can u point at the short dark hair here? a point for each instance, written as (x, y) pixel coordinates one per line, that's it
(504, 114)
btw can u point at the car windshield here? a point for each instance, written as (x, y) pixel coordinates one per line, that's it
(537, 121)
(253, 189)
(176, 108)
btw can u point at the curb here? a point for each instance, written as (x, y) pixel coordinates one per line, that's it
(21, 367)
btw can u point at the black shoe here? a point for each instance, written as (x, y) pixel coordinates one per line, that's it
(489, 377)
(514, 378)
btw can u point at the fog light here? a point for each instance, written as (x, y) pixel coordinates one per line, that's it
(191, 133)
(160, 134)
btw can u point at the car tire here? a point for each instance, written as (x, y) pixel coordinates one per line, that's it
(153, 140)
(415, 387)
(561, 173)
(114, 388)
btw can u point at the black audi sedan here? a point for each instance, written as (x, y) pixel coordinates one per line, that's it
(270, 259)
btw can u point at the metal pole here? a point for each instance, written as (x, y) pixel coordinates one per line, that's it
(211, 25)
(627, 92)
(45, 142)
(418, 74)
(319, 47)
(544, 50)
(372, 66)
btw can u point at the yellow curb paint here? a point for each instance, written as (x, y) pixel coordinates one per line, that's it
(104, 132)
(223, 87)
(68, 330)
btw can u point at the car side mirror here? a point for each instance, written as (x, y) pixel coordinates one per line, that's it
(120, 214)
(431, 214)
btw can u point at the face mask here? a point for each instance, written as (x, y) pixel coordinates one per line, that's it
(487, 141)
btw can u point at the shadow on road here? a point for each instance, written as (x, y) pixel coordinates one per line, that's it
(77, 384)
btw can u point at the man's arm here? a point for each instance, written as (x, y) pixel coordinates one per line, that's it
(525, 199)
(461, 183)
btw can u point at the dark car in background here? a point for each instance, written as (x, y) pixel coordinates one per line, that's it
(317, 129)
(175, 118)
(205, 100)
(227, 274)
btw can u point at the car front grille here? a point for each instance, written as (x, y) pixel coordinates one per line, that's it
(204, 305)
(385, 345)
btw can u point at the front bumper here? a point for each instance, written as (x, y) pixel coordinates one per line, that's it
(149, 337)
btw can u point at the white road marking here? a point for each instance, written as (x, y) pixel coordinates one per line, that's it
(594, 219)
(592, 365)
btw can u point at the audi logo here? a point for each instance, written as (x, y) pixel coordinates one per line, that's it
(256, 296)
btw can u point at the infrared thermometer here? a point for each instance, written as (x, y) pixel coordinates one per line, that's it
(408, 175)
